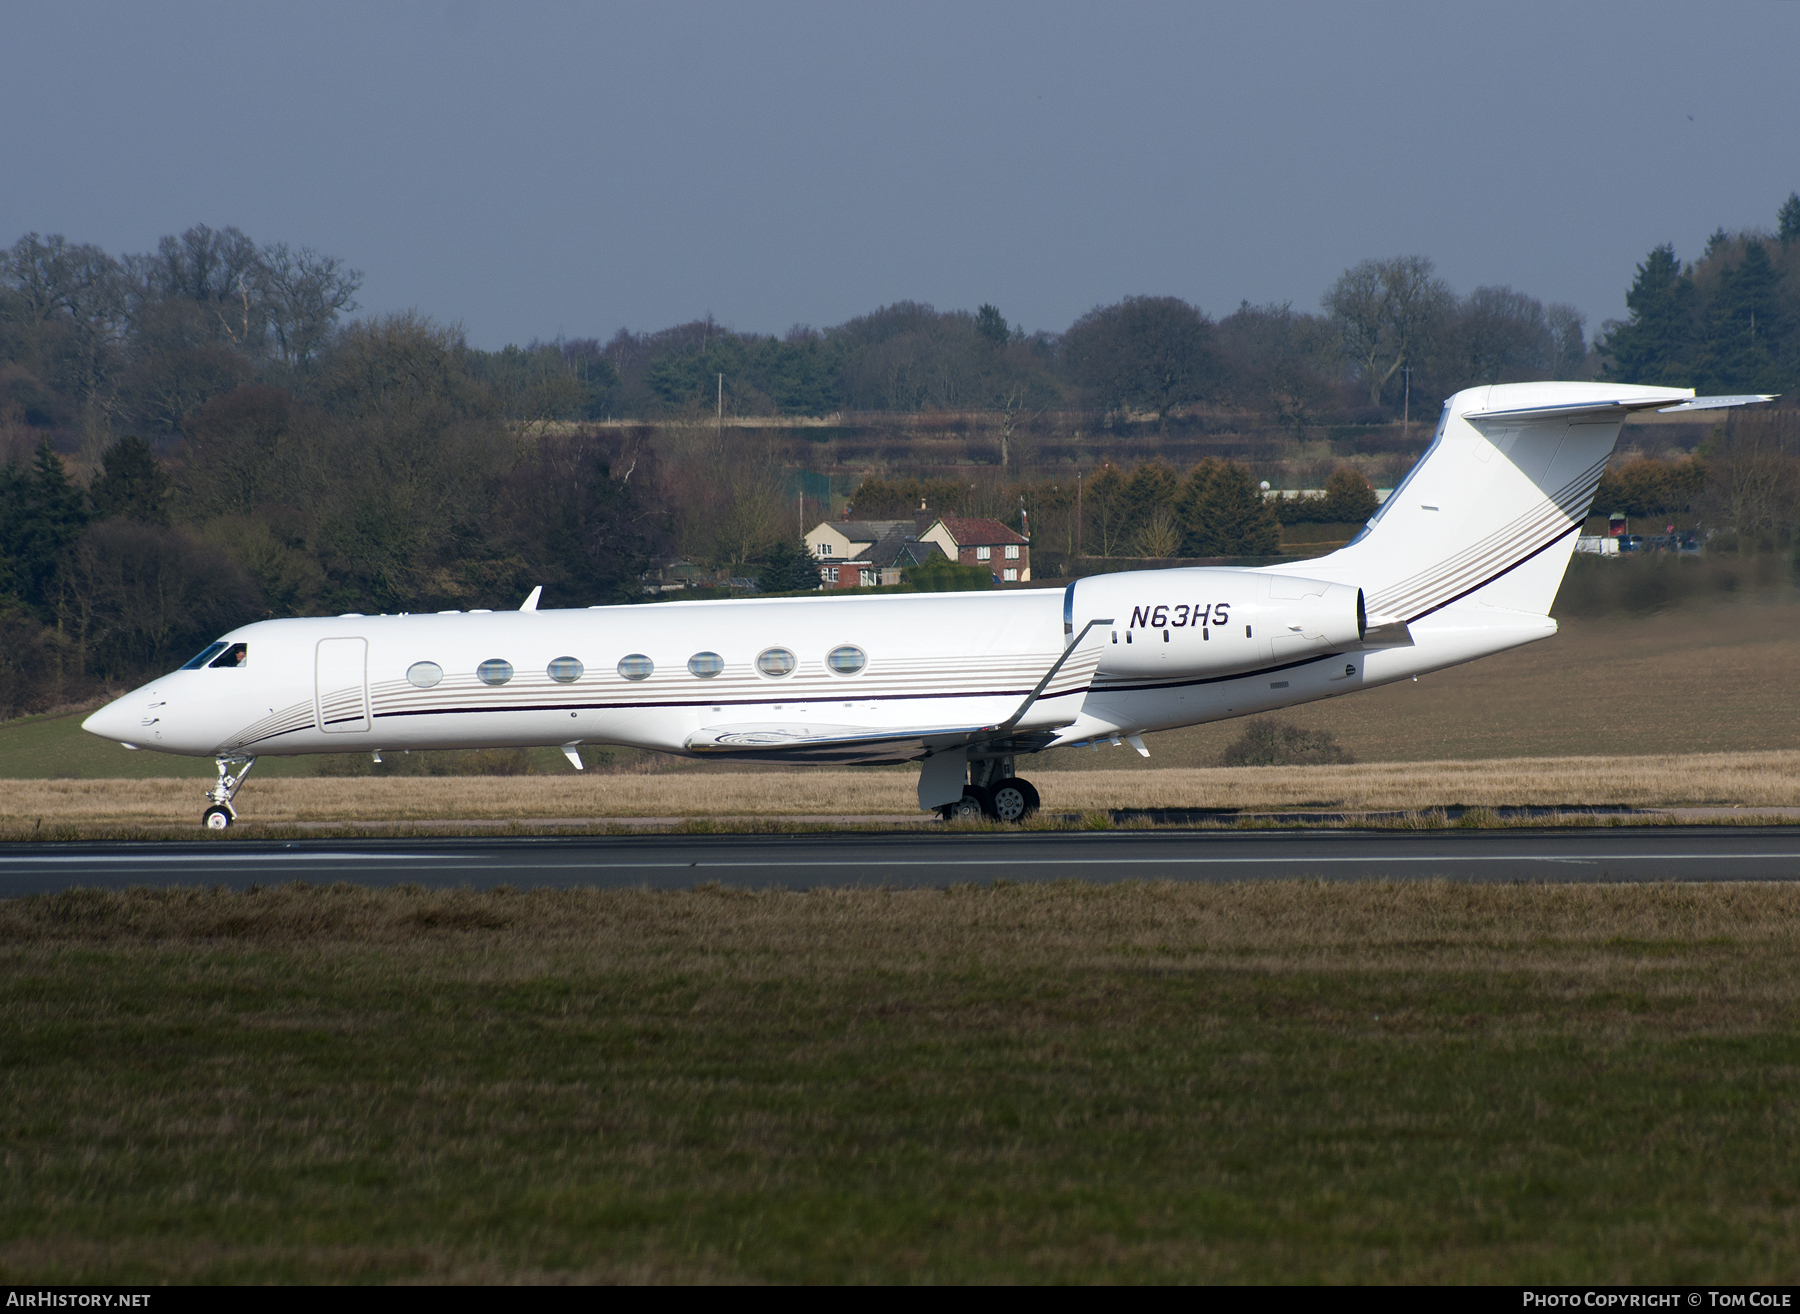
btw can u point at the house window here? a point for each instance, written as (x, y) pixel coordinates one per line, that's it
(1012, 551)
(825, 549)
(1011, 572)
(829, 574)
(865, 577)
(983, 553)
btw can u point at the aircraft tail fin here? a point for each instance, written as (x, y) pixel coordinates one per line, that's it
(1492, 510)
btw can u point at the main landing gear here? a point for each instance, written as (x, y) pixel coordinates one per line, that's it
(993, 792)
(232, 771)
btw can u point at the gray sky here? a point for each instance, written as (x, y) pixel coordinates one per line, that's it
(536, 169)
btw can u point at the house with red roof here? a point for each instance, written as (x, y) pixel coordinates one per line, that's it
(985, 543)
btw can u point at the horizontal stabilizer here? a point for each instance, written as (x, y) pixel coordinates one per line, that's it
(1719, 403)
(1616, 406)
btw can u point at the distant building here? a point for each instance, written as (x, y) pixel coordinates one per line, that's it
(981, 542)
(856, 554)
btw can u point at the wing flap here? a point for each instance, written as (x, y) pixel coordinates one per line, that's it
(845, 744)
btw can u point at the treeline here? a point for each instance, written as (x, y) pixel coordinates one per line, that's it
(93, 347)
(1388, 326)
(1742, 486)
(1727, 323)
(380, 476)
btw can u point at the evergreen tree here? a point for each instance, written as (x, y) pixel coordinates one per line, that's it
(1348, 497)
(41, 513)
(1745, 328)
(1656, 345)
(1192, 511)
(1224, 514)
(1789, 218)
(791, 568)
(991, 324)
(132, 484)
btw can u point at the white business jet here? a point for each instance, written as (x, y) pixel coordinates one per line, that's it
(1462, 560)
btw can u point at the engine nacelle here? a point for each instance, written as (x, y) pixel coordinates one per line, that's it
(1201, 621)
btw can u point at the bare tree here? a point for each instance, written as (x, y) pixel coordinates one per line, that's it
(1382, 309)
(302, 293)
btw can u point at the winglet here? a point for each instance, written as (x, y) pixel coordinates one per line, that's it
(573, 753)
(530, 604)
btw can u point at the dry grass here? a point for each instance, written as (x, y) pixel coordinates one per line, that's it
(1264, 1082)
(1768, 779)
(1695, 679)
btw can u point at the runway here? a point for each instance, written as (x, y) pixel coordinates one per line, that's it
(1717, 853)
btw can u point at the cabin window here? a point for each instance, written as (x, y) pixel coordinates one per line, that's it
(636, 666)
(847, 660)
(238, 654)
(705, 665)
(984, 553)
(205, 655)
(565, 670)
(776, 662)
(424, 674)
(494, 671)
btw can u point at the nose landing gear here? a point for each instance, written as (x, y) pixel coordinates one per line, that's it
(231, 778)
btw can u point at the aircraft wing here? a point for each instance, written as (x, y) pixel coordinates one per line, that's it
(1069, 675)
(848, 744)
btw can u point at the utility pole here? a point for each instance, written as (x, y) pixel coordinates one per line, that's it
(1406, 406)
(1078, 514)
(721, 421)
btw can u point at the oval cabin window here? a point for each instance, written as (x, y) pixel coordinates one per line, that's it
(565, 670)
(424, 674)
(776, 662)
(705, 665)
(636, 666)
(847, 660)
(494, 671)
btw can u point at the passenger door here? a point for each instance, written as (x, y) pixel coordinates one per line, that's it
(342, 691)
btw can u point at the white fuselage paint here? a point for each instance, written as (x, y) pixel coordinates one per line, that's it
(966, 659)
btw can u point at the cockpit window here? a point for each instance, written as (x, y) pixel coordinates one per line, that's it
(238, 654)
(211, 651)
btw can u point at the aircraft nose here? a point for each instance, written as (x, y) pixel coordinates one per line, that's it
(118, 722)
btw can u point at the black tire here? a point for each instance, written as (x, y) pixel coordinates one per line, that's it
(1013, 799)
(975, 802)
(216, 818)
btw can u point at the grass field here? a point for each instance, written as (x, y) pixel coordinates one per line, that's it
(1727, 779)
(1273, 1082)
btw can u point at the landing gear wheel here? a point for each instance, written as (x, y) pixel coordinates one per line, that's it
(974, 804)
(232, 771)
(1014, 799)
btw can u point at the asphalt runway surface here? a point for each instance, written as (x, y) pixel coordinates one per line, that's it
(1715, 853)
